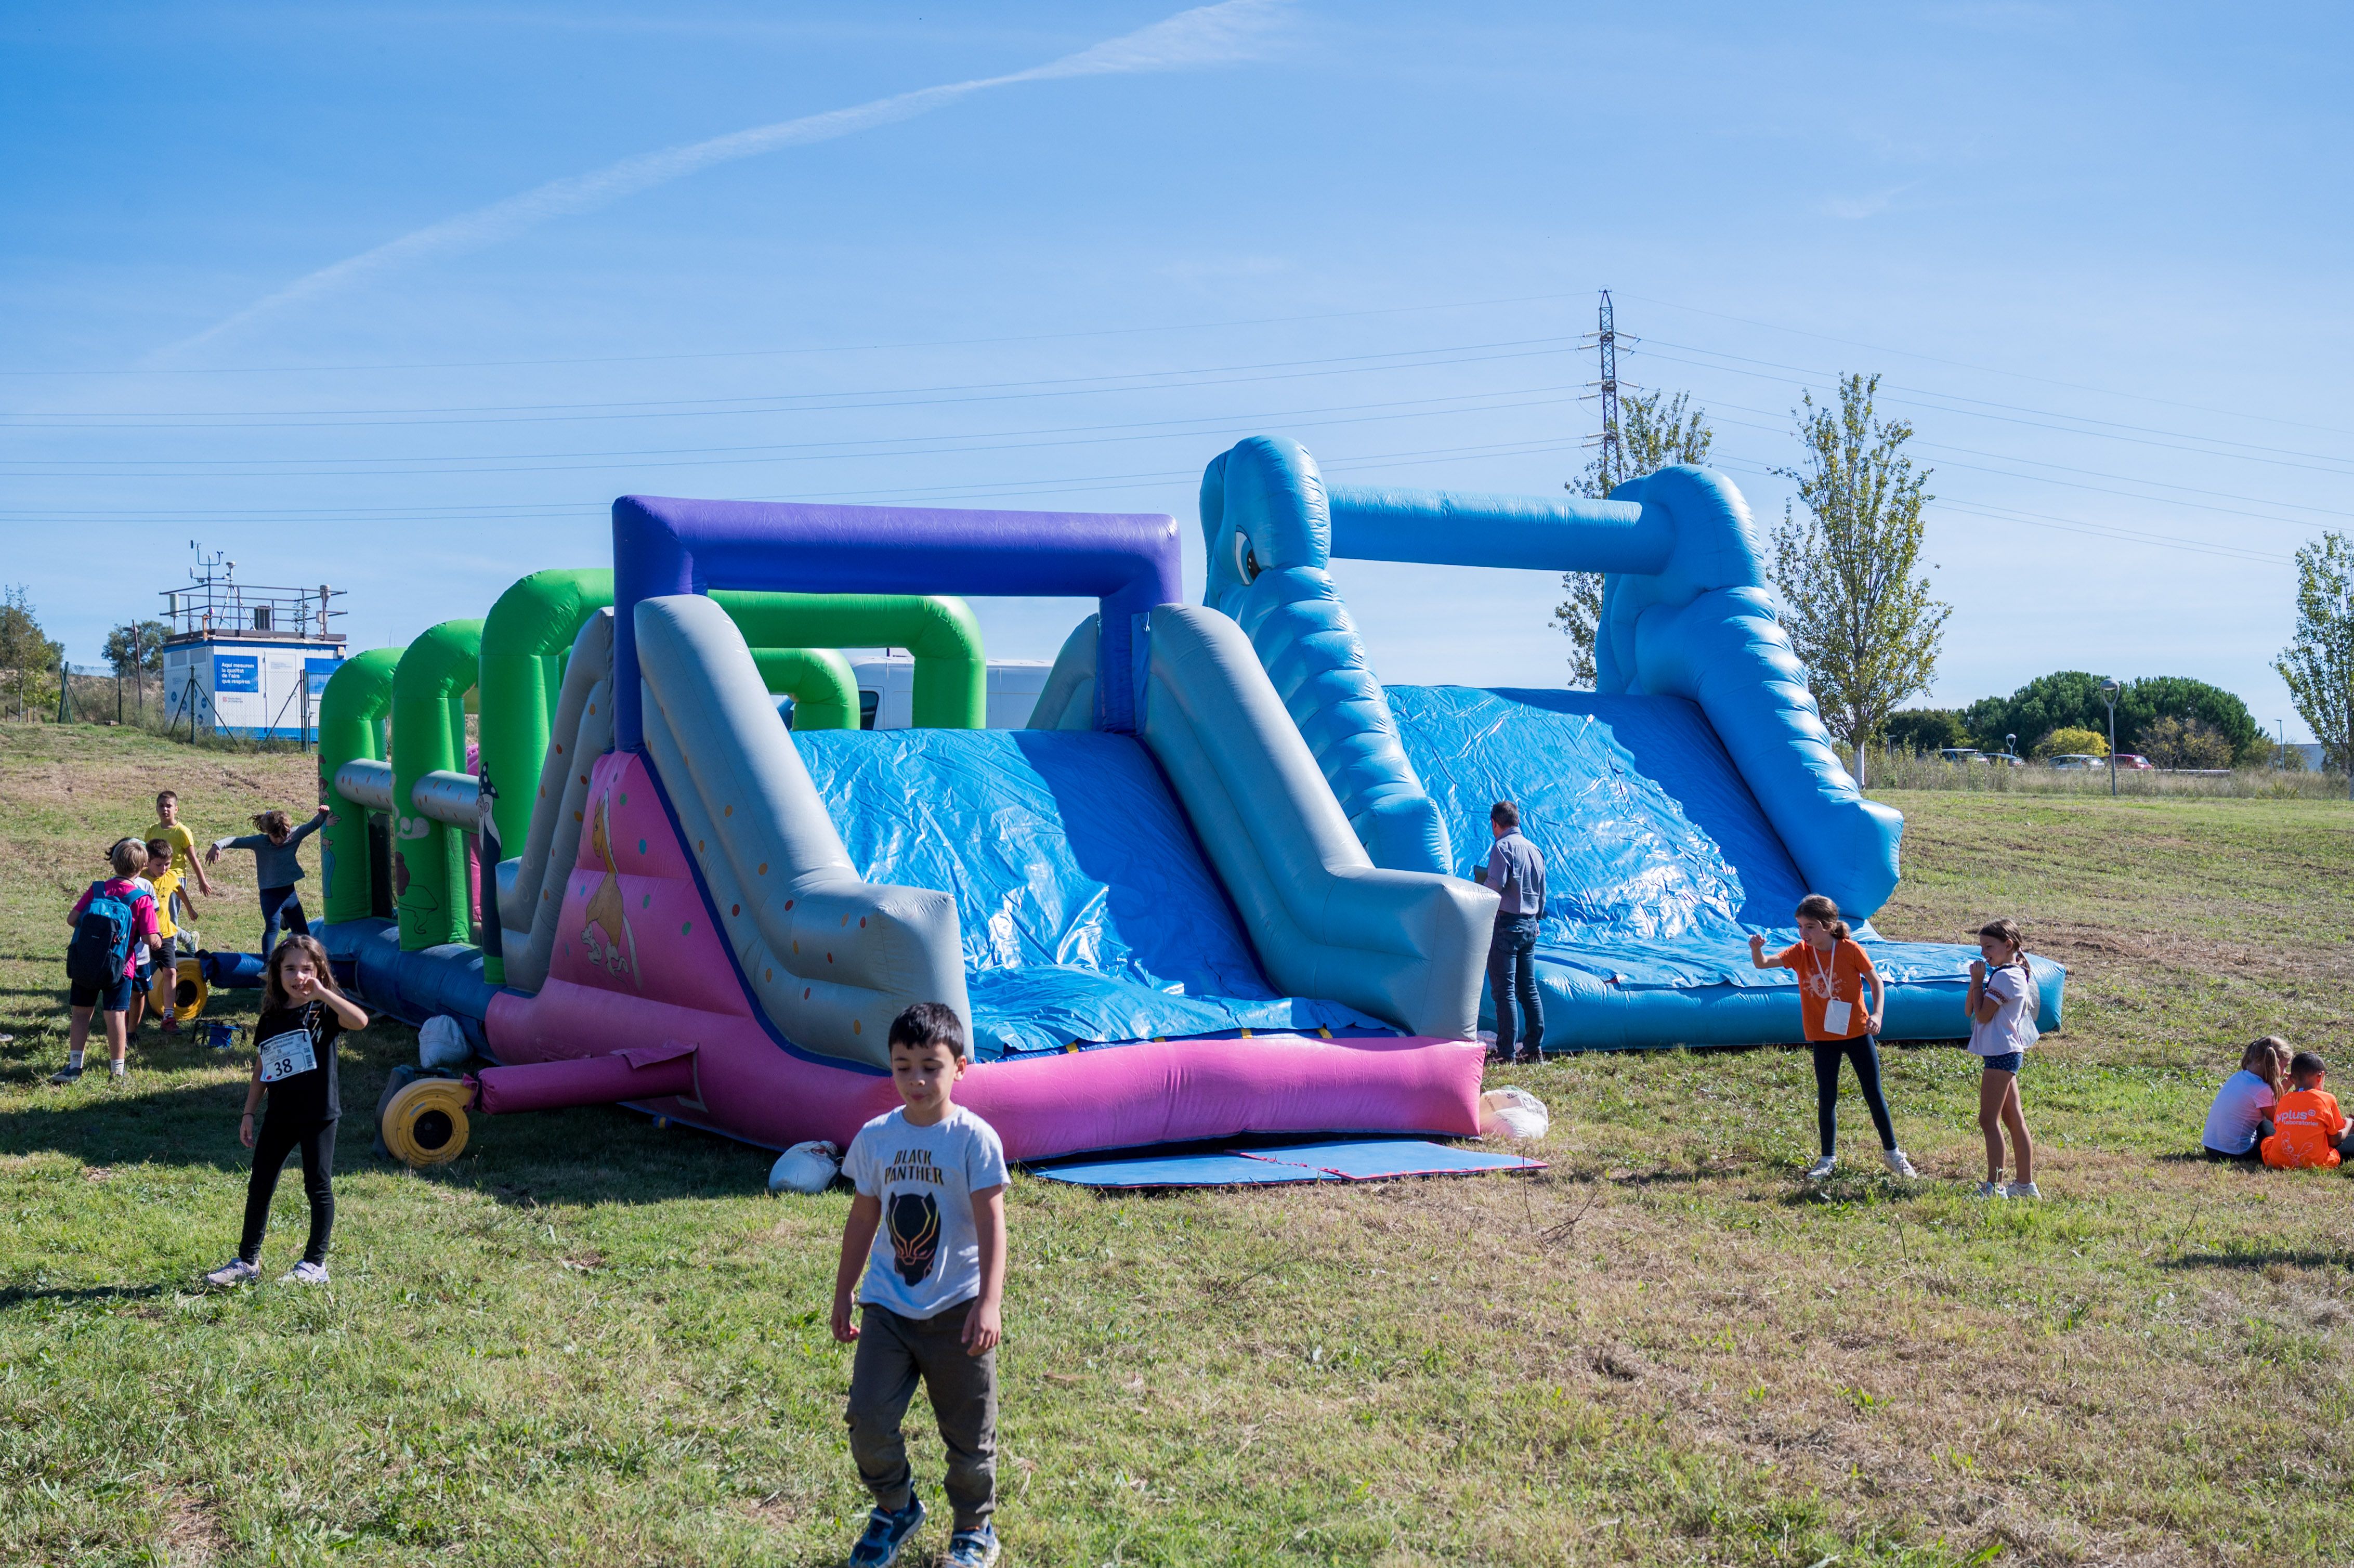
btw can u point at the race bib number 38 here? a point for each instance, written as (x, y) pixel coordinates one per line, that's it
(283, 1055)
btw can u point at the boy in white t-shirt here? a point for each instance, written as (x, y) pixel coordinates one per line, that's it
(928, 1229)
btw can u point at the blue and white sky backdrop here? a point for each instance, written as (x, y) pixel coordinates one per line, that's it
(398, 297)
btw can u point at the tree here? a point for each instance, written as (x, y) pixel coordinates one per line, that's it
(136, 648)
(2187, 742)
(2071, 699)
(2069, 741)
(1861, 620)
(1921, 730)
(2318, 663)
(29, 658)
(1654, 432)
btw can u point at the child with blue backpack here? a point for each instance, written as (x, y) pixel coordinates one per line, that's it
(112, 923)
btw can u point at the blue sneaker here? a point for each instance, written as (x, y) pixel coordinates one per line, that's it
(975, 1548)
(885, 1533)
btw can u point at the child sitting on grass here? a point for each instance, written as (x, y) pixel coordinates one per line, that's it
(2240, 1118)
(112, 922)
(294, 1060)
(2312, 1133)
(934, 1176)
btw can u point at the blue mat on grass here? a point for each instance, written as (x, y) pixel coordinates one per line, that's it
(1352, 1159)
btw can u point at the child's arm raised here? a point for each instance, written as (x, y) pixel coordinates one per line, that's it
(984, 1324)
(1757, 953)
(857, 1241)
(1982, 1004)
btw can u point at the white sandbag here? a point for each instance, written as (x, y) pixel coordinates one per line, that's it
(442, 1043)
(805, 1168)
(1512, 1113)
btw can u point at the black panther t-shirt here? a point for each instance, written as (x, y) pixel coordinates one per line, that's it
(297, 1045)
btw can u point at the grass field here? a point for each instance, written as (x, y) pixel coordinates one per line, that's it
(591, 1343)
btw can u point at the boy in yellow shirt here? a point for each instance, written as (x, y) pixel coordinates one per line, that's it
(163, 875)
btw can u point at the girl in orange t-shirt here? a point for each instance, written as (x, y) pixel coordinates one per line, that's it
(1834, 974)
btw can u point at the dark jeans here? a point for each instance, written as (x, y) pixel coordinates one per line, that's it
(271, 1145)
(281, 904)
(894, 1353)
(2253, 1155)
(1865, 1052)
(1513, 981)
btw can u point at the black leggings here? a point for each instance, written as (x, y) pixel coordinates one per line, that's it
(1865, 1052)
(271, 1145)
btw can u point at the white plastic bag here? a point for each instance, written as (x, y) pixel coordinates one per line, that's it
(442, 1043)
(1512, 1113)
(805, 1168)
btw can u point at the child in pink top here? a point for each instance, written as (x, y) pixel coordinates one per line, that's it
(111, 996)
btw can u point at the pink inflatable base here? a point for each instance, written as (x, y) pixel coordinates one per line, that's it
(664, 978)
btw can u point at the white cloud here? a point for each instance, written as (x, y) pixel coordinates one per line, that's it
(1207, 35)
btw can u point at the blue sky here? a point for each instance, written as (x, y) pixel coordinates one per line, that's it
(2097, 253)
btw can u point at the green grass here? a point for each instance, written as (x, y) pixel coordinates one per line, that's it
(589, 1341)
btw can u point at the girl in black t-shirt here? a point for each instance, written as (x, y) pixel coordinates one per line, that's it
(294, 1060)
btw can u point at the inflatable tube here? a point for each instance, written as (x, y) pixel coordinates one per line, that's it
(428, 735)
(350, 729)
(643, 1073)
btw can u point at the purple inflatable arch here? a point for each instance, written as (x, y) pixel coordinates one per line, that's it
(1128, 562)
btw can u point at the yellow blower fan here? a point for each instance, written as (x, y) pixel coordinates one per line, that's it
(426, 1122)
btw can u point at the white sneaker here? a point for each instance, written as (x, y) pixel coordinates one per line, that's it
(305, 1273)
(234, 1272)
(1898, 1165)
(1992, 1189)
(1822, 1168)
(2021, 1189)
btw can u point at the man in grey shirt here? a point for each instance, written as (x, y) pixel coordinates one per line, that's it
(1516, 870)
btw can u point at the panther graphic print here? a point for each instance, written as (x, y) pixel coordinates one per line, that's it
(915, 1221)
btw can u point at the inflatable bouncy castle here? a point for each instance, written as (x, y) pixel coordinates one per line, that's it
(1149, 906)
(1692, 797)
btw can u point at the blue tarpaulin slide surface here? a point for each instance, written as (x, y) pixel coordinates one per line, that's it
(1088, 910)
(1346, 1160)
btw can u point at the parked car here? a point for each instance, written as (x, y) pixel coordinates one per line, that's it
(2076, 761)
(1959, 754)
(2127, 761)
(2004, 759)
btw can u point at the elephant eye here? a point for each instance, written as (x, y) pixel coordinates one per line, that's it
(1246, 558)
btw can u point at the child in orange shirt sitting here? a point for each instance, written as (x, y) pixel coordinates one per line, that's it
(2313, 1133)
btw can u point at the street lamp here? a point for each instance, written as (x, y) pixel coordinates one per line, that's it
(2109, 690)
(2010, 750)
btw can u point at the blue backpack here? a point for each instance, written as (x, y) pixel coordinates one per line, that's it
(101, 949)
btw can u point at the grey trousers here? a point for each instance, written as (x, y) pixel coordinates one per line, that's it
(894, 1353)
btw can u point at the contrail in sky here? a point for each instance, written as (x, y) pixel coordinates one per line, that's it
(1209, 35)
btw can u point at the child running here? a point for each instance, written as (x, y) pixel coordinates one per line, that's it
(2313, 1133)
(169, 828)
(2002, 1002)
(111, 922)
(1834, 974)
(933, 1175)
(294, 1060)
(276, 843)
(2240, 1118)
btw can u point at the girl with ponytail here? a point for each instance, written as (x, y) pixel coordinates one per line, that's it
(2002, 1004)
(1835, 975)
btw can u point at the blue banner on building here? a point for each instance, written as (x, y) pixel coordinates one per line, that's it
(236, 672)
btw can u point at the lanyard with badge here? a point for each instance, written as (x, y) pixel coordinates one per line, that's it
(1836, 1013)
(284, 1055)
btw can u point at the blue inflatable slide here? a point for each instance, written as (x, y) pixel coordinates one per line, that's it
(1691, 798)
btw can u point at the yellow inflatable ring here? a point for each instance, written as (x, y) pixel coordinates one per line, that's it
(426, 1122)
(189, 991)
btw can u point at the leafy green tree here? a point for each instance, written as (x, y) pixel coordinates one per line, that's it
(1921, 730)
(1861, 621)
(2071, 699)
(2319, 664)
(2188, 742)
(1654, 432)
(136, 647)
(29, 657)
